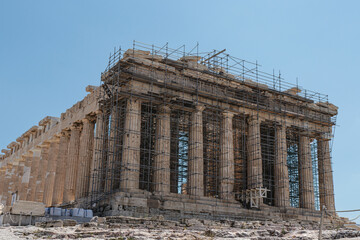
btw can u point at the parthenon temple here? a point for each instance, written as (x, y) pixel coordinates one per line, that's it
(178, 133)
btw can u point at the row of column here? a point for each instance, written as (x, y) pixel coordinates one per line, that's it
(281, 178)
(65, 162)
(161, 176)
(55, 172)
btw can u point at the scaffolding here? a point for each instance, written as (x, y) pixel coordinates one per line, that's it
(153, 86)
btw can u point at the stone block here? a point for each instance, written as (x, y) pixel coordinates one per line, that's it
(48, 224)
(28, 208)
(173, 205)
(65, 212)
(153, 203)
(88, 213)
(54, 211)
(77, 212)
(98, 219)
(69, 222)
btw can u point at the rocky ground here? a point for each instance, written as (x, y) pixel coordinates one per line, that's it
(142, 228)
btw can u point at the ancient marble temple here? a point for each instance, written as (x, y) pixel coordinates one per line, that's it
(180, 133)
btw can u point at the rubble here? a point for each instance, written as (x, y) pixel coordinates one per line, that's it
(118, 227)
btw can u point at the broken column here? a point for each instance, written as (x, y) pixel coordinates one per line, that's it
(161, 170)
(61, 167)
(130, 169)
(306, 183)
(196, 154)
(33, 174)
(51, 170)
(281, 174)
(72, 163)
(227, 157)
(40, 182)
(85, 156)
(254, 162)
(326, 185)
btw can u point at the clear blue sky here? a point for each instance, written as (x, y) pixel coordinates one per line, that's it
(51, 50)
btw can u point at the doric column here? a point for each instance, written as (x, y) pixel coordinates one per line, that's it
(26, 176)
(162, 151)
(113, 144)
(306, 184)
(98, 153)
(326, 185)
(7, 178)
(281, 173)
(51, 170)
(72, 163)
(196, 154)
(10, 182)
(61, 168)
(85, 157)
(227, 174)
(19, 177)
(33, 174)
(40, 183)
(254, 163)
(2, 180)
(130, 169)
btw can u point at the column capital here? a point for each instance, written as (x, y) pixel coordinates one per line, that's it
(65, 133)
(305, 134)
(324, 137)
(254, 117)
(44, 144)
(228, 114)
(98, 111)
(28, 154)
(164, 108)
(55, 139)
(279, 125)
(199, 107)
(76, 126)
(90, 118)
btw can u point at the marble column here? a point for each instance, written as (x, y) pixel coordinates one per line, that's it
(281, 174)
(72, 163)
(161, 177)
(306, 183)
(33, 174)
(326, 185)
(11, 177)
(19, 177)
(61, 168)
(113, 143)
(96, 161)
(254, 162)
(26, 176)
(196, 154)
(51, 171)
(130, 169)
(7, 178)
(2, 180)
(85, 157)
(227, 172)
(40, 183)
